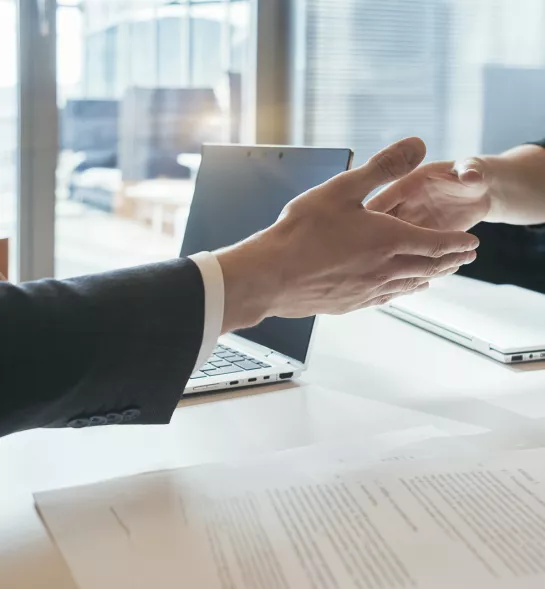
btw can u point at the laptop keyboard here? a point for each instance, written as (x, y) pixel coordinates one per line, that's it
(225, 360)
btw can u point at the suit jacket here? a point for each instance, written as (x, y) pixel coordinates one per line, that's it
(112, 348)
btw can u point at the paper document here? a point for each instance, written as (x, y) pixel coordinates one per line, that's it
(336, 524)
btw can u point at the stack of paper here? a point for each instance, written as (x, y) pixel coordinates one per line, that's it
(306, 520)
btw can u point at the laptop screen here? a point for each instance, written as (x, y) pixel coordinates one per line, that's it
(241, 190)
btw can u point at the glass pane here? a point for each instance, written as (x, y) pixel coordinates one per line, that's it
(451, 71)
(8, 127)
(141, 85)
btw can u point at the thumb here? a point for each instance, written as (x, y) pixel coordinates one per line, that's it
(393, 162)
(471, 171)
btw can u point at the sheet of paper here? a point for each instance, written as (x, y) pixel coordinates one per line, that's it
(318, 521)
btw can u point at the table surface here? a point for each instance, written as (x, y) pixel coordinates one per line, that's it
(371, 377)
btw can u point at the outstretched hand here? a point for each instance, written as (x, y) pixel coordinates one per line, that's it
(327, 253)
(447, 196)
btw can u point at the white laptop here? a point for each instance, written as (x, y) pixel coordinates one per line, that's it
(504, 322)
(241, 190)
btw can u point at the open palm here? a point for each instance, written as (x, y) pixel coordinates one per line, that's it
(440, 195)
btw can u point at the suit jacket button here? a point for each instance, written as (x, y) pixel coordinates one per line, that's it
(131, 414)
(113, 418)
(97, 420)
(78, 423)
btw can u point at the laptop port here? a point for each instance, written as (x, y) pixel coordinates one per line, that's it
(252, 379)
(268, 377)
(517, 358)
(233, 382)
(285, 375)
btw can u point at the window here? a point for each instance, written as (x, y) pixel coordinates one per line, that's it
(8, 125)
(141, 85)
(465, 76)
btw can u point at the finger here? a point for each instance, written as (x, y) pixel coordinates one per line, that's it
(2, 277)
(392, 196)
(406, 285)
(470, 171)
(412, 186)
(386, 298)
(433, 243)
(404, 266)
(392, 163)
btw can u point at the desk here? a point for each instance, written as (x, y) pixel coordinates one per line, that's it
(371, 375)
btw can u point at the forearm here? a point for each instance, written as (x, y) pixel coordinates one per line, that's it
(517, 186)
(99, 345)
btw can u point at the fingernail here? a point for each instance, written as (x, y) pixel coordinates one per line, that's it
(471, 176)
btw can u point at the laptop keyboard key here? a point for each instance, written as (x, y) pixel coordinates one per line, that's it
(248, 365)
(223, 370)
(221, 364)
(197, 374)
(234, 358)
(207, 366)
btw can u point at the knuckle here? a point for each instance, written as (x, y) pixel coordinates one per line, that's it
(411, 284)
(433, 268)
(340, 184)
(383, 278)
(305, 206)
(437, 250)
(342, 180)
(383, 300)
(292, 207)
(474, 162)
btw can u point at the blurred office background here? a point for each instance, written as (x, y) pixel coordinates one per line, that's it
(104, 104)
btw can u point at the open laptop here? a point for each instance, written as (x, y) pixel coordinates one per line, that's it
(504, 322)
(241, 190)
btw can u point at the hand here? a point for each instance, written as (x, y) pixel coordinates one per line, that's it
(327, 254)
(441, 195)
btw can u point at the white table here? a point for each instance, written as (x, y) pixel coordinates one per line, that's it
(371, 375)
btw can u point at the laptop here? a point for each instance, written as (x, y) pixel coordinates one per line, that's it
(241, 190)
(504, 322)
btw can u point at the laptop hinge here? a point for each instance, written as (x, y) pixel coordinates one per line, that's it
(480, 345)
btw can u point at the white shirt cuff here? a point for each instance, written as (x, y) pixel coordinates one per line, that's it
(214, 301)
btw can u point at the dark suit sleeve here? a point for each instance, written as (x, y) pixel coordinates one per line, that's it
(541, 227)
(113, 348)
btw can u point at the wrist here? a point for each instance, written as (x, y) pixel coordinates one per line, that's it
(252, 280)
(492, 169)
